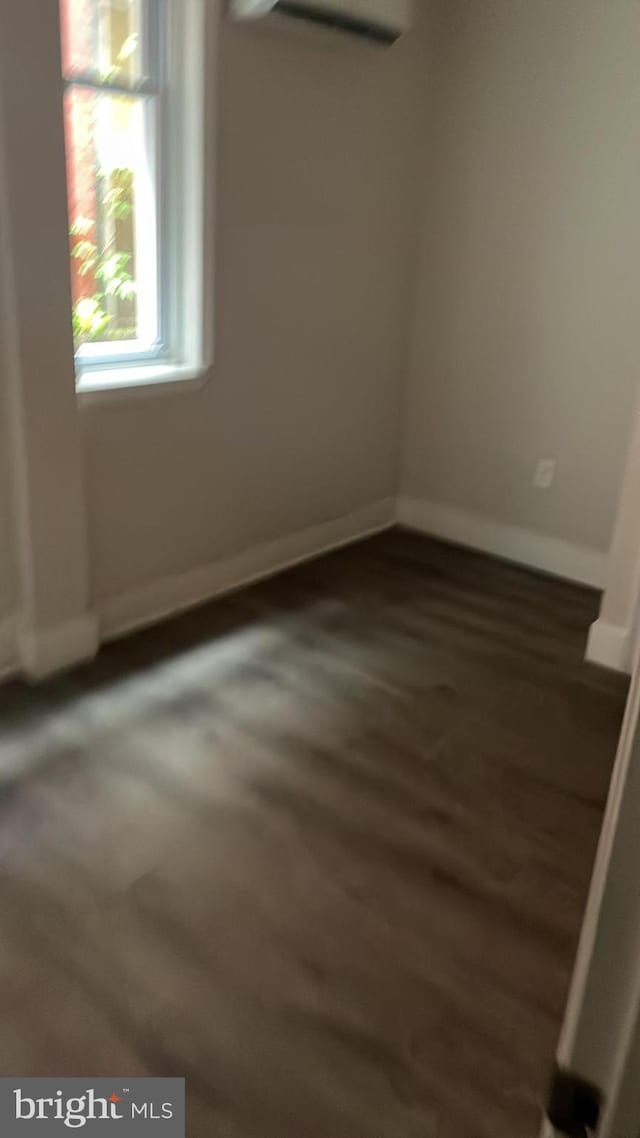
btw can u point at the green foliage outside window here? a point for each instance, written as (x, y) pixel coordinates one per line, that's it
(109, 266)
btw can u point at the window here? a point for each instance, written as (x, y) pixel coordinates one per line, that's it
(126, 108)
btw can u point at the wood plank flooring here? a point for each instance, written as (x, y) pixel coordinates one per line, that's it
(322, 847)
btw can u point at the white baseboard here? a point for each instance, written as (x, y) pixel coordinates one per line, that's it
(8, 647)
(42, 652)
(174, 594)
(45, 651)
(550, 554)
(609, 645)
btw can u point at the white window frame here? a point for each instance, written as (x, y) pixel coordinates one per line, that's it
(179, 92)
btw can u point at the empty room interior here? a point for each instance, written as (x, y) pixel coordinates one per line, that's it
(319, 554)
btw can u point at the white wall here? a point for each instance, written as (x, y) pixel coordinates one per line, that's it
(130, 504)
(487, 165)
(39, 405)
(317, 212)
(614, 639)
(7, 572)
(527, 338)
(8, 567)
(8, 575)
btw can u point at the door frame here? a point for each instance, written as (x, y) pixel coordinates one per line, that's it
(600, 1037)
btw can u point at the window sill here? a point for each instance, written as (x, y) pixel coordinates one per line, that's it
(128, 382)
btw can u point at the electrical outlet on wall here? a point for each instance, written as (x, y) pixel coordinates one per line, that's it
(545, 474)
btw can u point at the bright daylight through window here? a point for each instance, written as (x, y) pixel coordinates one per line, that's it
(125, 101)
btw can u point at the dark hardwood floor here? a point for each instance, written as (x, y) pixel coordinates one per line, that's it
(322, 847)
